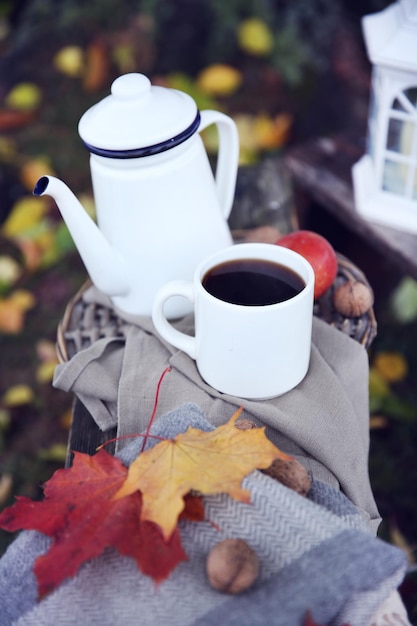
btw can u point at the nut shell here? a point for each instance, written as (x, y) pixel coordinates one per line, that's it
(245, 424)
(291, 474)
(262, 234)
(232, 566)
(353, 299)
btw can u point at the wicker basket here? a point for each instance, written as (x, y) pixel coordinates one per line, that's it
(84, 323)
(363, 329)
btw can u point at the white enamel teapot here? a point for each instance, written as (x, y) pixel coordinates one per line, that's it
(159, 208)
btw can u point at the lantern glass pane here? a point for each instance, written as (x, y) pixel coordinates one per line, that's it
(394, 177)
(400, 136)
(412, 95)
(414, 192)
(397, 106)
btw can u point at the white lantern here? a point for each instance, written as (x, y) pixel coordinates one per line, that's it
(385, 179)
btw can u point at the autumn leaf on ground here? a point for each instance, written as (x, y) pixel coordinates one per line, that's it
(219, 79)
(10, 120)
(206, 462)
(79, 512)
(32, 255)
(17, 395)
(46, 353)
(271, 133)
(403, 301)
(70, 61)
(32, 169)
(13, 310)
(96, 67)
(183, 82)
(24, 97)
(25, 215)
(56, 452)
(392, 366)
(10, 271)
(255, 37)
(45, 371)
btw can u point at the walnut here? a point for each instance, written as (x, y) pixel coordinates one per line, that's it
(291, 474)
(353, 299)
(245, 424)
(263, 234)
(232, 566)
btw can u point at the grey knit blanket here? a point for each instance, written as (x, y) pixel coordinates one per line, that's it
(316, 555)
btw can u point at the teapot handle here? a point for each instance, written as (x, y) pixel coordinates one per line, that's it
(228, 156)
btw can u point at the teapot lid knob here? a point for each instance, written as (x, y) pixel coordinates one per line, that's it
(138, 119)
(131, 86)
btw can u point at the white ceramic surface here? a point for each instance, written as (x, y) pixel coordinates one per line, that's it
(245, 351)
(159, 208)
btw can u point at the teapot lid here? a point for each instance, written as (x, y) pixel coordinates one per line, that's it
(138, 119)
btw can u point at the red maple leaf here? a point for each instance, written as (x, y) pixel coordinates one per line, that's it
(80, 514)
(309, 621)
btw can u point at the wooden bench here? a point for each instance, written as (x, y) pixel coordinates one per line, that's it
(321, 174)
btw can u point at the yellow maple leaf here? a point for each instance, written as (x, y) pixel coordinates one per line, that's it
(33, 169)
(255, 37)
(45, 371)
(55, 452)
(8, 150)
(45, 350)
(392, 366)
(25, 214)
(378, 386)
(219, 79)
(65, 420)
(32, 255)
(10, 270)
(207, 462)
(13, 309)
(24, 97)
(46, 353)
(18, 395)
(271, 132)
(70, 61)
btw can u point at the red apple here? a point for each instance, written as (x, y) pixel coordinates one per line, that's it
(320, 254)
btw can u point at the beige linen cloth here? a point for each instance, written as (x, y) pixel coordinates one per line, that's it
(323, 422)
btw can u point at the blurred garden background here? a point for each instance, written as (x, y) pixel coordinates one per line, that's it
(286, 71)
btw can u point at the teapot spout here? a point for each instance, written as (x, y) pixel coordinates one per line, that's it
(105, 265)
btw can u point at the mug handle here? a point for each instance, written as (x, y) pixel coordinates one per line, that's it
(175, 337)
(228, 156)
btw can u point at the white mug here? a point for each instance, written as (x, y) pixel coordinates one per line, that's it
(257, 350)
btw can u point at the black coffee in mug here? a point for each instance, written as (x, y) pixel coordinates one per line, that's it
(252, 282)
